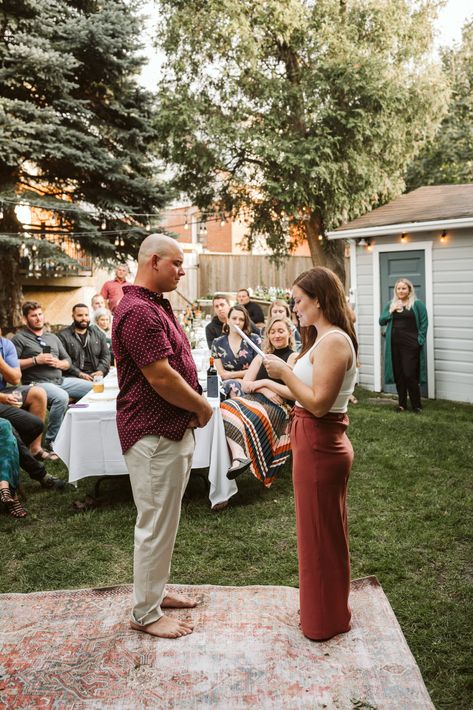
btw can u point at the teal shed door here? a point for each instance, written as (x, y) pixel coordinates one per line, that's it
(394, 265)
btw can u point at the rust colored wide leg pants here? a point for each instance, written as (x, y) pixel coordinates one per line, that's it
(322, 459)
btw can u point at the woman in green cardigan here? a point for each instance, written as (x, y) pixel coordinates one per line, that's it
(405, 362)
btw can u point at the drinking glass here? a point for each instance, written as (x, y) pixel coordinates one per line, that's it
(98, 385)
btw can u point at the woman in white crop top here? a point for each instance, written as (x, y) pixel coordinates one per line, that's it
(321, 382)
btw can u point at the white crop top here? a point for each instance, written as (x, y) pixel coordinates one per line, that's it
(303, 370)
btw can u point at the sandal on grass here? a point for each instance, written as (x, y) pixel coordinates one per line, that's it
(43, 455)
(242, 466)
(13, 505)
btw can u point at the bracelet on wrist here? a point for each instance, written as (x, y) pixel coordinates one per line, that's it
(34, 360)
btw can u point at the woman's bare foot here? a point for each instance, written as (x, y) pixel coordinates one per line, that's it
(166, 627)
(177, 601)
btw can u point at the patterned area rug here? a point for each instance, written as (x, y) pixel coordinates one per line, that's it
(73, 649)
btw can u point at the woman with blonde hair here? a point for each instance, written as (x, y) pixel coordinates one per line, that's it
(283, 310)
(321, 382)
(404, 361)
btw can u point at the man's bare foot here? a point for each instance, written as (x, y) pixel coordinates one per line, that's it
(165, 627)
(177, 601)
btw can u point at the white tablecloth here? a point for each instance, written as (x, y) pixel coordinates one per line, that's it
(88, 443)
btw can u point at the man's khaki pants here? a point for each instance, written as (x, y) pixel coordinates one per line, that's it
(159, 470)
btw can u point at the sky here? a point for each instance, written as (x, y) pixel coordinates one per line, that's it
(449, 25)
(451, 20)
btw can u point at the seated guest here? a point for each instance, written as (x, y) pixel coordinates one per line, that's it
(24, 406)
(279, 309)
(26, 415)
(98, 304)
(85, 345)
(9, 471)
(34, 466)
(254, 310)
(231, 353)
(255, 422)
(43, 361)
(221, 306)
(103, 320)
(283, 310)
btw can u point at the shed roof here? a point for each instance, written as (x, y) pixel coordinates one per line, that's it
(426, 204)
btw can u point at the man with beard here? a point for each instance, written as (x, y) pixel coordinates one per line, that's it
(26, 413)
(86, 346)
(43, 361)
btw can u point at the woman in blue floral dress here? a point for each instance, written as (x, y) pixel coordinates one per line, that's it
(9, 471)
(231, 354)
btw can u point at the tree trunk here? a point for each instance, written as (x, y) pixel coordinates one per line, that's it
(322, 251)
(10, 279)
(10, 288)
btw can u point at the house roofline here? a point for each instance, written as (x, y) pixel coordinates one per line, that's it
(410, 227)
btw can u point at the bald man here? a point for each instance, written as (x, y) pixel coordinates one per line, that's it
(158, 406)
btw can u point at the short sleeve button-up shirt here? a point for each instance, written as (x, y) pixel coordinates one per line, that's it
(113, 292)
(145, 330)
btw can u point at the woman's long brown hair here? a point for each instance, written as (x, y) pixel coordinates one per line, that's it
(247, 325)
(324, 284)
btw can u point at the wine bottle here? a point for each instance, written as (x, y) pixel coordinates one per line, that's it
(212, 380)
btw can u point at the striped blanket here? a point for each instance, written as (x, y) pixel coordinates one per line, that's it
(258, 426)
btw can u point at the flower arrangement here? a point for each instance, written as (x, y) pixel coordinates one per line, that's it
(273, 293)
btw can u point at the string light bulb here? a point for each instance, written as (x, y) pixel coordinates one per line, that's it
(443, 237)
(186, 224)
(369, 246)
(403, 237)
(320, 237)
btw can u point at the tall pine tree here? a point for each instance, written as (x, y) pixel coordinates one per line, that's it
(75, 131)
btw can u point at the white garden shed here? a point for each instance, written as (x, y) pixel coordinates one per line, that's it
(426, 236)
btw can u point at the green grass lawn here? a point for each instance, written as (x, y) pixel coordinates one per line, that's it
(410, 508)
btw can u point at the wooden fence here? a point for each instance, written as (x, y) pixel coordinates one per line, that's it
(207, 274)
(229, 272)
